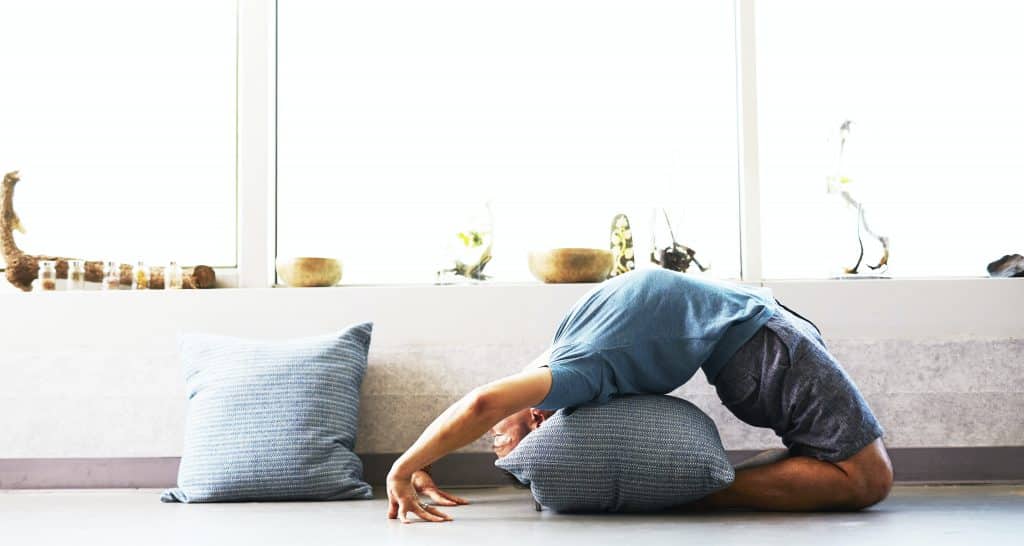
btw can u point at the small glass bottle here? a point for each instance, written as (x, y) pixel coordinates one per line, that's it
(140, 277)
(173, 278)
(112, 276)
(76, 275)
(48, 275)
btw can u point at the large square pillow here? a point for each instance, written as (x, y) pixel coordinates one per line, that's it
(632, 454)
(272, 420)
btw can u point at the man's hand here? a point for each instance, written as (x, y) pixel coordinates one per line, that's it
(424, 485)
(460, 424)
(403, 499)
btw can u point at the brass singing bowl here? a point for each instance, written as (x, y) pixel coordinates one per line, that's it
(568, 265)
(307, 272)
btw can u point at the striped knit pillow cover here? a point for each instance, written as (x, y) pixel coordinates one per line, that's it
(272, 420)
(632, 454)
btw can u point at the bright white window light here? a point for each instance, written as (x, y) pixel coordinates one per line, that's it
(397, 119)
(120, 115)
(935, 91)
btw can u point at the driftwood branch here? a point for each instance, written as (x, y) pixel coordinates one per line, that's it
(837, 186)
(23, 268)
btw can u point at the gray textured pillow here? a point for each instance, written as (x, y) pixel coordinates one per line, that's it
(632, 454)
(272, 420)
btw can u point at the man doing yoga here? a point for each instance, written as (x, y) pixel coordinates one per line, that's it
(647, 332)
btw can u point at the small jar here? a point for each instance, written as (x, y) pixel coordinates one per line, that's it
(48, 275)
(173, 278)
(112, 276)
(140, 277)
(156, 277)
(127, 275)
(76, 275)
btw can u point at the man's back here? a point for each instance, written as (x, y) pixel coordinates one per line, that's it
(647, 332)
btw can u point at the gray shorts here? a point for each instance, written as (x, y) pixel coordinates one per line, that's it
(784, 379)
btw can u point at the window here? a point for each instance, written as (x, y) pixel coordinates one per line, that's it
(398, 120)
(401, 124)
(120, 116)
(934, 90)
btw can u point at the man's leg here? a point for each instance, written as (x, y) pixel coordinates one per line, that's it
(765, 457)
(806, 484)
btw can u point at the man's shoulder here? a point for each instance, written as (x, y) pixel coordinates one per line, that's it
(656, 281)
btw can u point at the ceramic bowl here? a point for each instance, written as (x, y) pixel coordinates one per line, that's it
(565, 265)
(309, 271)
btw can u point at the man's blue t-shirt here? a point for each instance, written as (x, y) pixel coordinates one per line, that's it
(647, 332)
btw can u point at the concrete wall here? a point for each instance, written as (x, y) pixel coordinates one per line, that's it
(94, 374)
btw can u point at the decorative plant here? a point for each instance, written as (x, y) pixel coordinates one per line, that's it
(840, 184)
(677, 257)
(472, 249)
(473, 240)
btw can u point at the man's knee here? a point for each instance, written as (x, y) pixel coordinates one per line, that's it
(870, 474)
(871, 489)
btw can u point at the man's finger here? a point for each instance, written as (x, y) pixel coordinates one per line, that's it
(453, 498)
(424, 515)
(439, 497)
(422, 511)
(392, 509)
(436, 512)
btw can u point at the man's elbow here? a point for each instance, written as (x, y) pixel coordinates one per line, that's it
(486, 404)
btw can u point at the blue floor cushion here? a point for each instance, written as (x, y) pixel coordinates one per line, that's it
(272, 420)
(632, 454)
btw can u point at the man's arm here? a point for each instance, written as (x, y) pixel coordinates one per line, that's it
(460, 424)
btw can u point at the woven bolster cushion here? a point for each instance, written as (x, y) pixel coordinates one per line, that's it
(632, 454)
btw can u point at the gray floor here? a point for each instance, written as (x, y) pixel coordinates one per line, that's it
(912, 515)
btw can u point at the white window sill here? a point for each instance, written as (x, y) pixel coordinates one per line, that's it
(507, 312)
